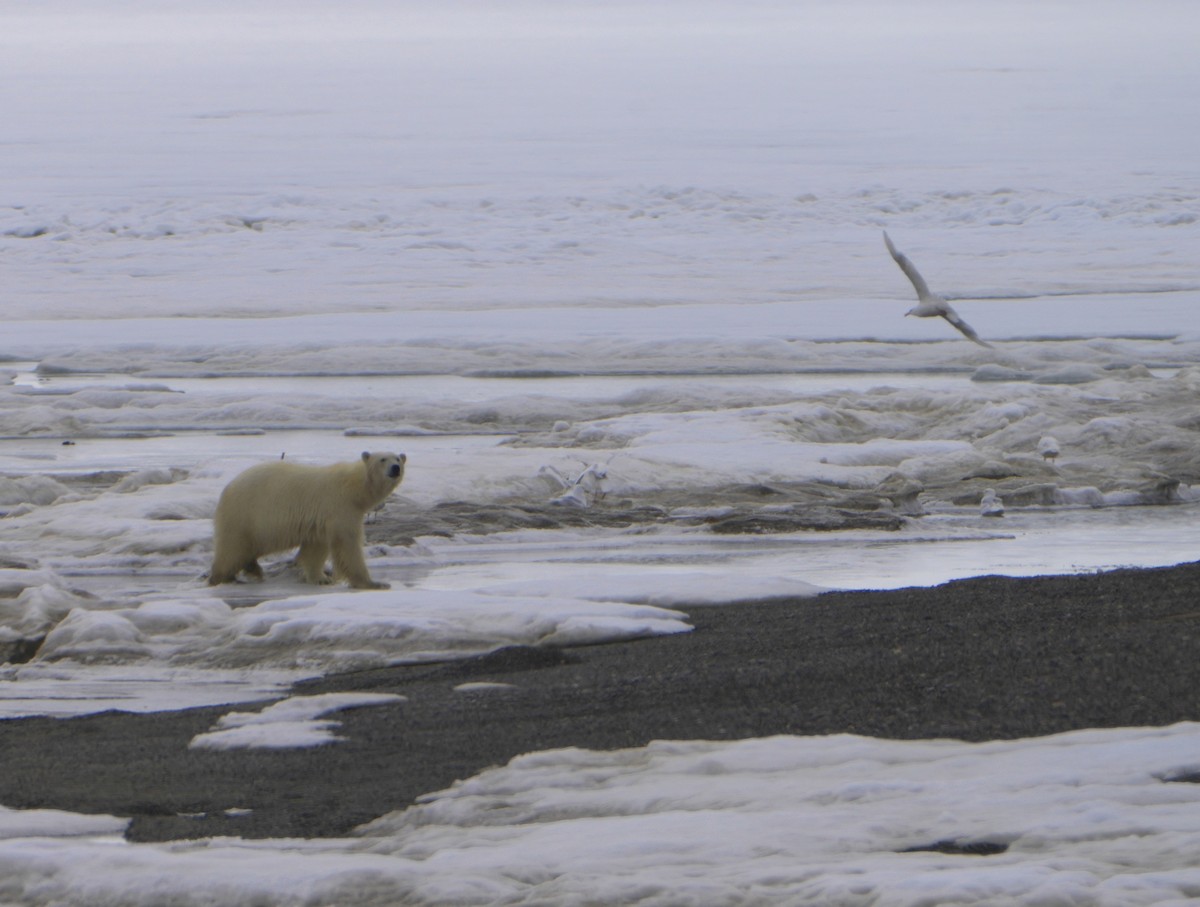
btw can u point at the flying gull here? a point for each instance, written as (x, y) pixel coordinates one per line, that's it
(930, 304)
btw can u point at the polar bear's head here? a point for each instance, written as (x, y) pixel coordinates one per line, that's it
(385, 468)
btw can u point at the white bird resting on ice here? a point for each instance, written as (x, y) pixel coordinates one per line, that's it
(930, 304)
(583, 491)
(990, 504)
(1048, 448)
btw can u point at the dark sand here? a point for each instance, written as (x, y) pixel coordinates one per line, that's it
(977, 659)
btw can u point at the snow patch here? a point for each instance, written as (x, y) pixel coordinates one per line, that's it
(290, 723)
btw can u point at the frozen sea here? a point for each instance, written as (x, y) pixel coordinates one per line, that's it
(609, 254)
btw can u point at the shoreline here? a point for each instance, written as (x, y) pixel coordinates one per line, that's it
(976, 659)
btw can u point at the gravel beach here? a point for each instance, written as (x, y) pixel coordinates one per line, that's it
(977, 659)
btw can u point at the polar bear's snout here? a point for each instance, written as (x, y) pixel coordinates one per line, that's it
(396, 469)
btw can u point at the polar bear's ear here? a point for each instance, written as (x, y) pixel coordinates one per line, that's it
(366, 455)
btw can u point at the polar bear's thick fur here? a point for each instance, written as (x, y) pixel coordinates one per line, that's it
(279, 505)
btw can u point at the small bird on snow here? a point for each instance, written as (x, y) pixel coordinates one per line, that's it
(930, 304)
(991, 505)
(1048, 448)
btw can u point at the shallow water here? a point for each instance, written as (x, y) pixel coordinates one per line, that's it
(932, 550)
(468, 389)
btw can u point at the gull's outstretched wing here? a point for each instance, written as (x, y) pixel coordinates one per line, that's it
(967, 331)
(910, 272)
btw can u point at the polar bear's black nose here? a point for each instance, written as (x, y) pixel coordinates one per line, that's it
(394, 470)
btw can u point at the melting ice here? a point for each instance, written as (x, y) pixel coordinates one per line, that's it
(629, 259)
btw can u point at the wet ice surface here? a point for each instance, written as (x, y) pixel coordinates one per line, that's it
(625, 242)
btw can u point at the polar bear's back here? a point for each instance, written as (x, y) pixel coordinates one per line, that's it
(286, 477)
(280, 504)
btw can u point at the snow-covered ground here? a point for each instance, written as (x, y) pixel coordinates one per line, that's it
(530, 242)
(1090, 817)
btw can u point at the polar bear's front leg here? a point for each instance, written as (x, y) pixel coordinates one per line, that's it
(349, 564)
(311, 559)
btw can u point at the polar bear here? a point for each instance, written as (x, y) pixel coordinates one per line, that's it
(280, 505)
